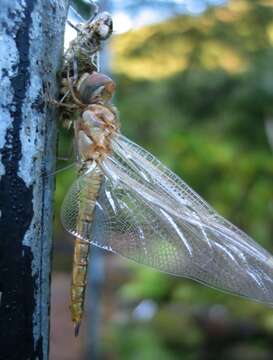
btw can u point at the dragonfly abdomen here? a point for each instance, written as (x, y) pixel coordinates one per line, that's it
(82, 247)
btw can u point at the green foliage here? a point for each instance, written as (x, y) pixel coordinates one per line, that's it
(197, 92)
(139, 343)
(155, 285)
(209, 119)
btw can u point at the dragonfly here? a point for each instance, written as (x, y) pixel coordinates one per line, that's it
(78, 90)
(126, 201)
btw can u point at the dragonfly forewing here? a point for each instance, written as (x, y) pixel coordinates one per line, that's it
(148, 214)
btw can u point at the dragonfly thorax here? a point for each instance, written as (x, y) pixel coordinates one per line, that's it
(94, 131)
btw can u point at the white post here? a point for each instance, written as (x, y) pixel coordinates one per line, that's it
(31, 41)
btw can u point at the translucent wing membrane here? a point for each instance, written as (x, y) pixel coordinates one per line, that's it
(146, 213)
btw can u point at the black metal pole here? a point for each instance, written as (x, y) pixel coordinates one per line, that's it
(31, 49)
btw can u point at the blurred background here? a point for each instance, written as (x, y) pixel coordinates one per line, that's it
(194, 87)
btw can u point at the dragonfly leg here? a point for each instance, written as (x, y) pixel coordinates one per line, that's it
(75, 98)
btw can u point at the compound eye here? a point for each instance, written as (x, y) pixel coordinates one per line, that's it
(95, 87)
(104, 26)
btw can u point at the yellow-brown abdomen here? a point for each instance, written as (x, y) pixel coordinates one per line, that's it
(81, 249)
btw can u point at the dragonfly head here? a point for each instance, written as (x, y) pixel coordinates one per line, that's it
(102, 25)
(96, 88)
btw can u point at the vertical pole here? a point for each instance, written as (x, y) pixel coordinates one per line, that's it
(96, 267)
(95, 284)
(31, 41)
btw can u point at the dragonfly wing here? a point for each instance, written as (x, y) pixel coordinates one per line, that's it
(148, 214)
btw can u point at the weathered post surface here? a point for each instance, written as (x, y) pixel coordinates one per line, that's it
(31, 41)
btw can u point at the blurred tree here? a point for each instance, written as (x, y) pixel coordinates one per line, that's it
(197, 91)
